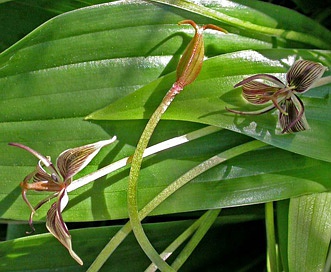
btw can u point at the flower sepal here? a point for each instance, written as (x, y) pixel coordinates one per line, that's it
(302, 76)
(47, 177)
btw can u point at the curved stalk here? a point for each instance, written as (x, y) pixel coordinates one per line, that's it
(133, 181)
(188, 69)
(198, 229)
(179, 240)
(195, 240)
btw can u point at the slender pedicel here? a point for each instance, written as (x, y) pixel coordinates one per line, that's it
(188, 69)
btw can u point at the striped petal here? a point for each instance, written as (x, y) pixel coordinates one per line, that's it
(266, 77)
(257, 92)
(294, 120)
(35, 208)
(303, 74)
(56, 225)
(71, 161)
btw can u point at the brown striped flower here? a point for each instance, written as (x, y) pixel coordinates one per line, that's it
(300, 78)
(47, 177)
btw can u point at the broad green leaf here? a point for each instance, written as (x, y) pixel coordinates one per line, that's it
(205, 100)
(240, 181)
(25, 254)
(94, 60)
(261, 18)
(309, 232)
(83, 60)
(55, 76)
(18, 18)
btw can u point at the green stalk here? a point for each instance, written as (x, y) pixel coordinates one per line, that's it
(173, 187)
(188, 69)
(197, 237)
(133, 181)
(110, 248)
(179, 240)
(272, 263)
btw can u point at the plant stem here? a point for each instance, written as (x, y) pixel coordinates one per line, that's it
(179, 240)
(272, 262)
(133, 180)
(188, 69)
(149, 151)
(192, 244)
(173, 187)
(110, 248)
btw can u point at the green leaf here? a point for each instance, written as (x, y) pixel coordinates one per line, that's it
(49, 118)
(21, 17)
(83, 60)
(25, 254)
(107, 57)
(17, 20)
(309, 232)
(28, 251)
(94, 60)
(261, 18)
(240, 181)
(204, 101)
